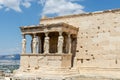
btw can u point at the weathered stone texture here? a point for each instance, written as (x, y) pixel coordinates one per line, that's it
(99, 36)
(84, 44)
(37, 62)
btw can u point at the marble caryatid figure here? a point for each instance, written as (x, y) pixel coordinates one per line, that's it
(35, 43)
(60, 42)
(23, 45)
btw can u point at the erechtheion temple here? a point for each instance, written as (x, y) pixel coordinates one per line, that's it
(68, 46)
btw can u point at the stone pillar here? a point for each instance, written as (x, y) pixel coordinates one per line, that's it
(69, 42)
(46, 44)
(40, 45)
(23, 44)
(35, 42)
(60, 43)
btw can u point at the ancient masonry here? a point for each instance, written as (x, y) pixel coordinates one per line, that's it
(66, 47)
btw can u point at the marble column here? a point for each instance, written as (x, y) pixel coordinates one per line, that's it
(60, 43)
(46, 44)
(35, 42)
(69, 42)
(23, 44)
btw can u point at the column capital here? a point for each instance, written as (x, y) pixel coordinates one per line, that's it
(34, 35)
(69, 35)
(46, 34)
(60, 33)
(23, 36)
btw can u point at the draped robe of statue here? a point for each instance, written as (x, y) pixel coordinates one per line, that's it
(35, 42)
(46, 45)
(23, 45)
(60, 44)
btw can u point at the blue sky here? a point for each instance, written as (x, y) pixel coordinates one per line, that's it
(16, 13)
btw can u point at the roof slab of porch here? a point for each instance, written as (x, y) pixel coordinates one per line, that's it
(56, 27)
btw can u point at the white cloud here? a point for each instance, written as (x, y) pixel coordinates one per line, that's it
(50, 7)
(7, 9)
(42, 2)
(11, 4)
(26, 4)
(62, 7)
(14, 4)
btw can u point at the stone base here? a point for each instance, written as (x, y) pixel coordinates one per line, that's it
(58, 67)
(48, 74)
(68, 77)
(41, 61)
(69, 74)
(44, 66)
(107, 73)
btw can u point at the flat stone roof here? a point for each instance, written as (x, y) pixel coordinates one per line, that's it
(49, 28)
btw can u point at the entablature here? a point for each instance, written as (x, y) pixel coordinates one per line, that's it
(57, 27)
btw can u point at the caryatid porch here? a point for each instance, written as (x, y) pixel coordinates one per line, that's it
(55, 42)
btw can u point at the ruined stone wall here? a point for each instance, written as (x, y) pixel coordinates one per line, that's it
(98, 40)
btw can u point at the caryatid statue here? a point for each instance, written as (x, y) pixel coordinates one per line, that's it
(46, 44)
(23, 46)
(60, 43)
(35, 43)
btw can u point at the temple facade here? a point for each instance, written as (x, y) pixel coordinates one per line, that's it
(82, 44)
(52, 46)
